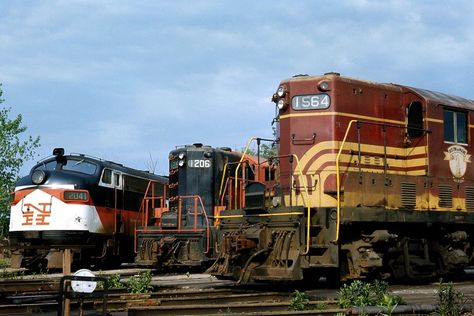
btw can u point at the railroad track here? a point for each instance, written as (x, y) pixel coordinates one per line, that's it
(168, 302)
(201, 294)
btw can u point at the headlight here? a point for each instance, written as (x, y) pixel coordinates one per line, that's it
(281, 91)
(281, 104)
(181, 163)
(324, 86)
(181, 155)
(38, 176)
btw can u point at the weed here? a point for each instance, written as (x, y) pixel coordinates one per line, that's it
(299, 301)
(363, 294)
(450, 300)
(4, 263)
(321, 306)
(114, 281)
(140, 284)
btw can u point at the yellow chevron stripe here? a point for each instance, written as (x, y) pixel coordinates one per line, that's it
(379, 150)
(315, 167)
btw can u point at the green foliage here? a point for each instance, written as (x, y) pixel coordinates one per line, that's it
(140, 284)
(266, 151)
(299, 301)
(14, 151)
(114, 281)
(4, 263)
(450, 300)
(363, 294)
(321, 306)
(11, 275)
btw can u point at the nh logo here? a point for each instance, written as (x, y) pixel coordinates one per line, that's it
(36, 215)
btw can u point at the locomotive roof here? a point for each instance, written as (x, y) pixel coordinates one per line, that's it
(108, 164)
(443, 98)
(431, 97)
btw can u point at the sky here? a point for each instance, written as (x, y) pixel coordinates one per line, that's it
(128, 81)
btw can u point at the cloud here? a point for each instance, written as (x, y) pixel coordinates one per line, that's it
(122, 79)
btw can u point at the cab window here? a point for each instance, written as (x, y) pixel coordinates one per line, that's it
(50, 165)
(415, 120)
(455, 126)
(107, 176)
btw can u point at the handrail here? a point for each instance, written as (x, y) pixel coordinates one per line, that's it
(144, 209)
(222, 180)
(223, 186)
(180, 230)
(142, 206)
(338, 181)
(221, 198)
(208, 234)
(308, 221)
(238, 166)
(229, 182)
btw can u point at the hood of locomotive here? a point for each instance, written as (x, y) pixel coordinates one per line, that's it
(196, 170)
(61, 203)
(191, 173)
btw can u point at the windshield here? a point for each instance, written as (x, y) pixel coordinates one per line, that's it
(69, 164)
(79, 165)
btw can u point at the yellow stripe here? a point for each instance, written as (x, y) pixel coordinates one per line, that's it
(259, 215)
(432, 120)
(370, 118)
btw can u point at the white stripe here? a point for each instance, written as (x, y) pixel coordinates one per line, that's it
(52, 186)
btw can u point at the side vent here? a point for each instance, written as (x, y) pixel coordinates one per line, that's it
(469, 198)
(408, 194)
(445, 195)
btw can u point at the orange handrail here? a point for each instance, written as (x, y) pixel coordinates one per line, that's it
(195, 213)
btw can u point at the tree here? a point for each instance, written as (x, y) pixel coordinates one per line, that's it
(266, 151)
(15, 149)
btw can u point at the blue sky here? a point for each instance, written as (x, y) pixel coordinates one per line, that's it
(129, 80)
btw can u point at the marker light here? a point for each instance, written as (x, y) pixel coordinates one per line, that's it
(281, 104)
(281, 91)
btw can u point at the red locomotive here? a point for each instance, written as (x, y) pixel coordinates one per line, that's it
(374, 180)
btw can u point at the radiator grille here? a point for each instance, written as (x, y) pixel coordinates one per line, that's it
(445, 195)
(469, 198)
(408, 194)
